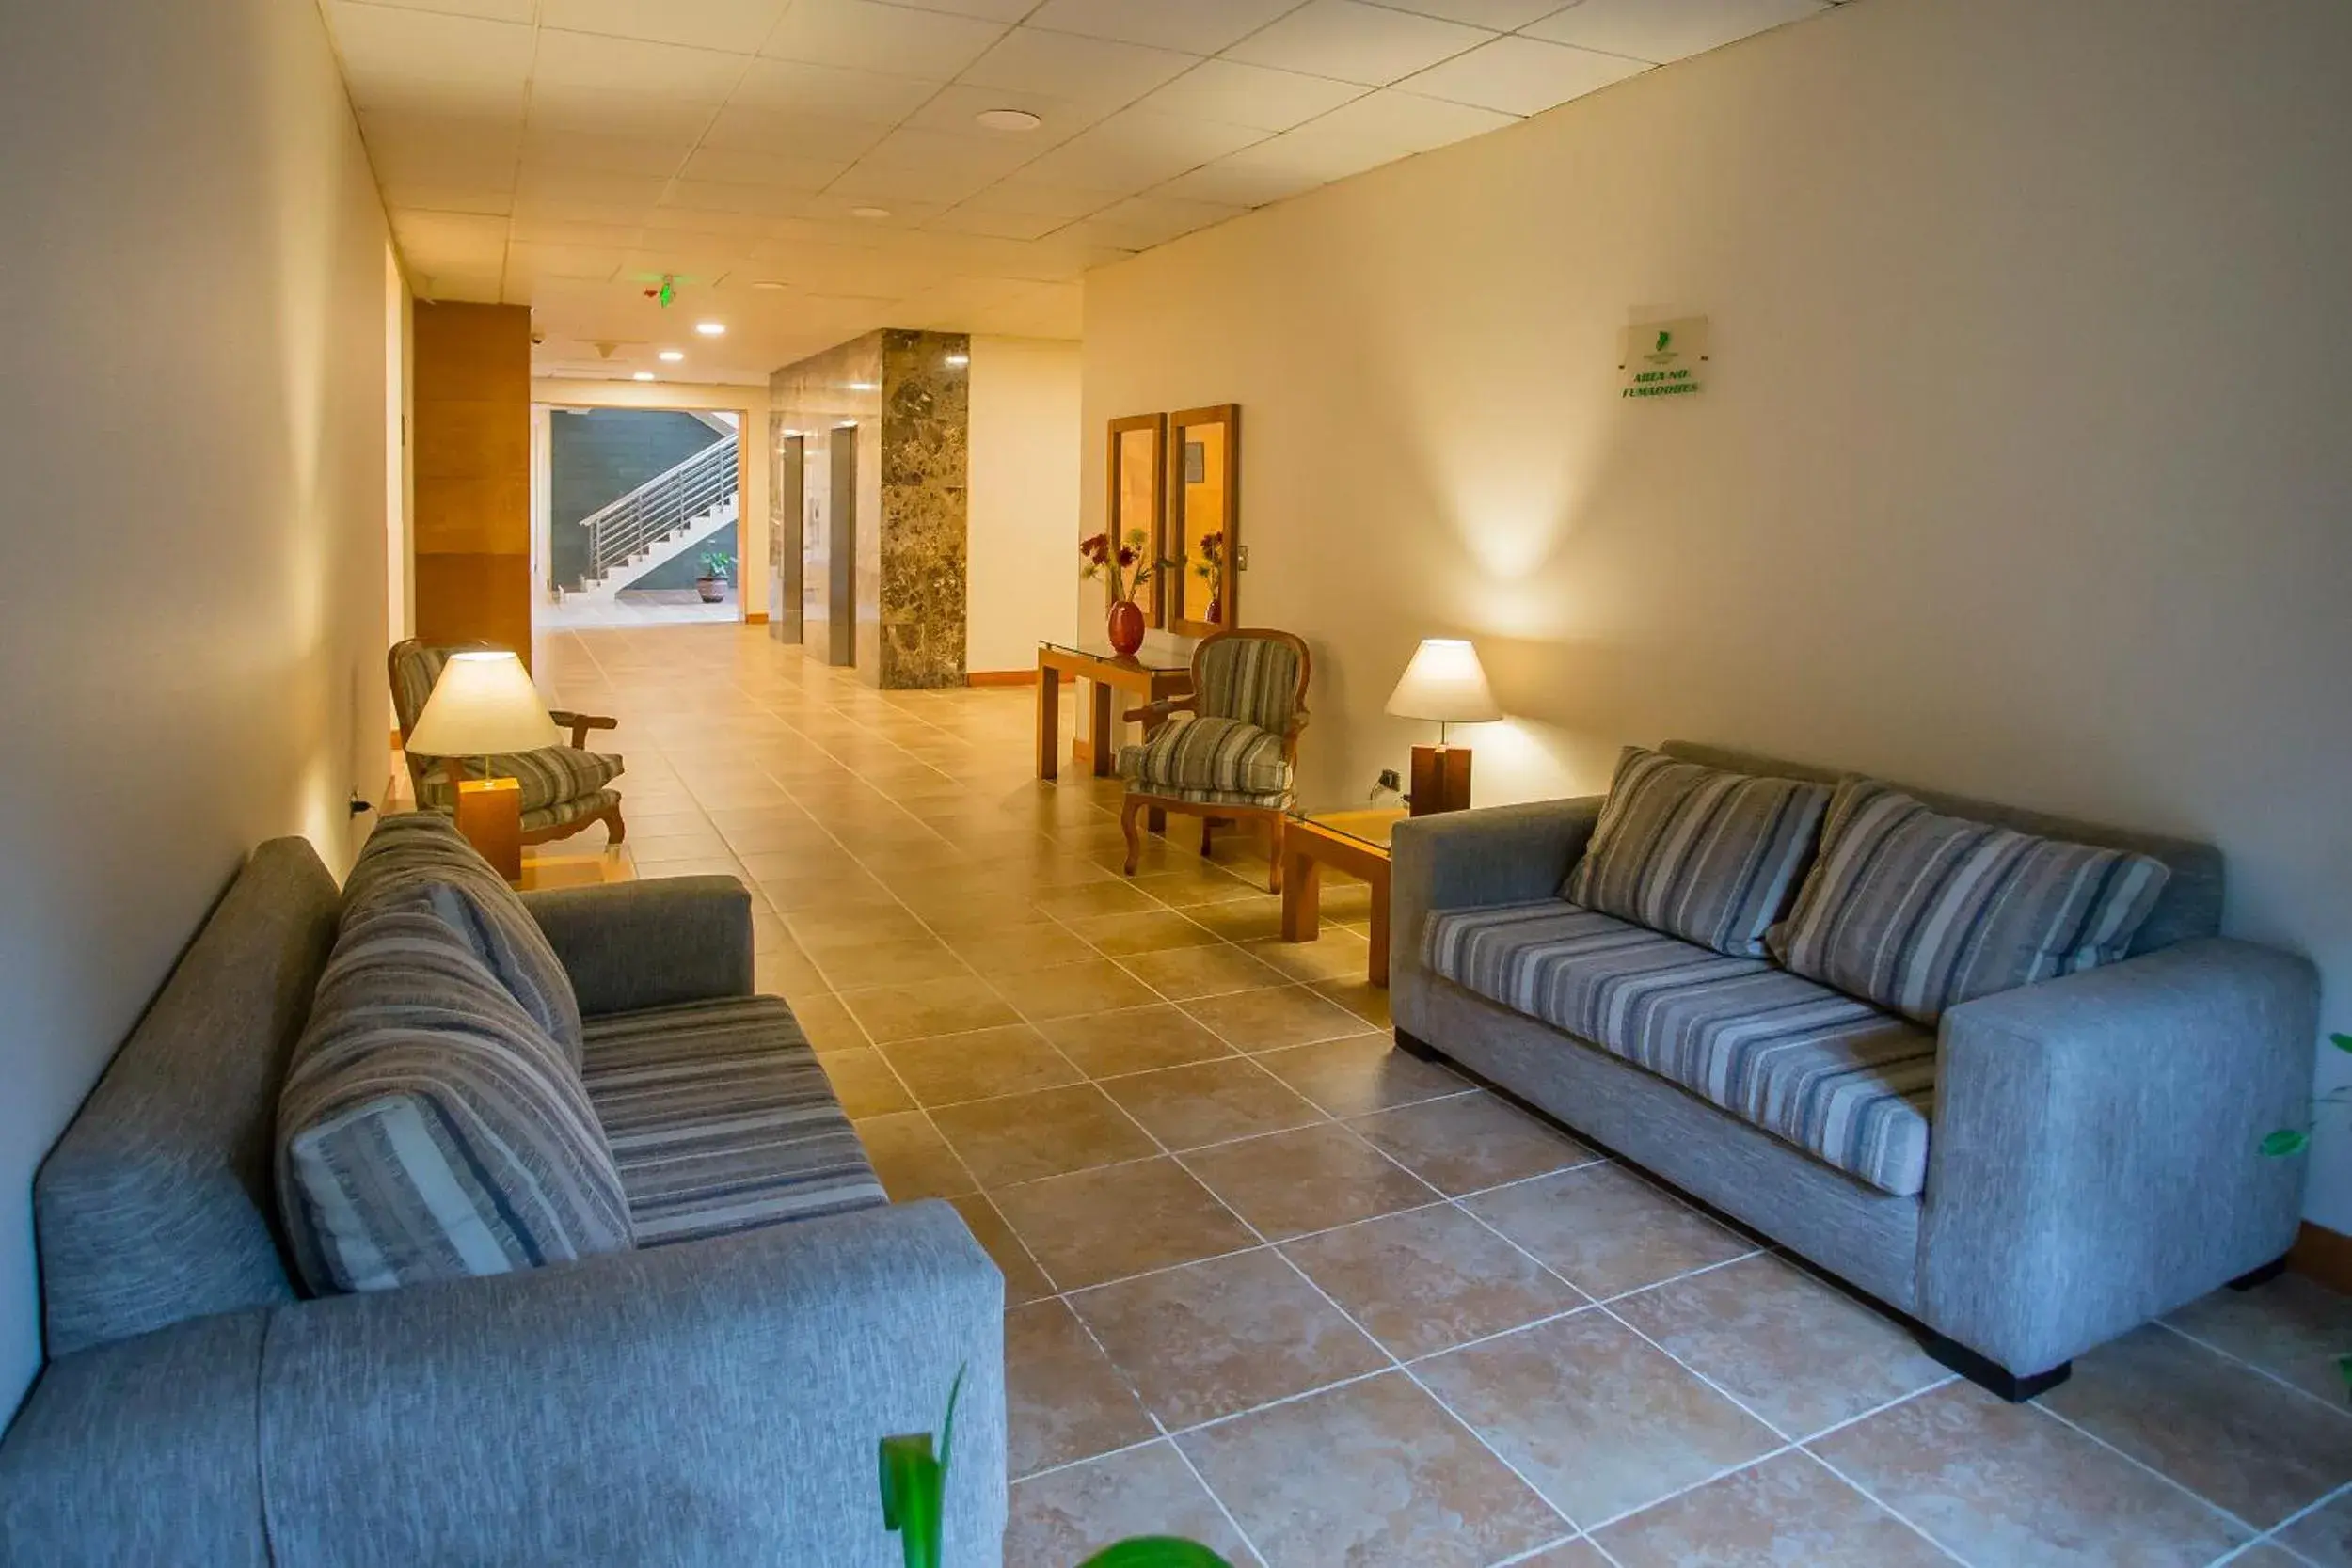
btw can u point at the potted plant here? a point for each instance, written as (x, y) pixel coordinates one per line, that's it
(717, 567)
(914, 1507)
(2290, 1141)
(1124, 570)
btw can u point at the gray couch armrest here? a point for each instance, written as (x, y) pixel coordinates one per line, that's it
(2094, 1162)
(1467, 858)
(713, 1403)
(649, 943)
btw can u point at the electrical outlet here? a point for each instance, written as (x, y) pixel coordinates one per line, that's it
(1241, 558)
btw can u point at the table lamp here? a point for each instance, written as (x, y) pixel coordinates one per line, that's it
(1445, 683)
(484, 705)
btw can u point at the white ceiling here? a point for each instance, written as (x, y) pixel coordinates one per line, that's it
(566, 153)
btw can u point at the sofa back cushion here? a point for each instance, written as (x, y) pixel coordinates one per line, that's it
(429, 1128)
(1710, 855)
(156, 1204)
(423, 853)
(1919, 911)
(2190, 905)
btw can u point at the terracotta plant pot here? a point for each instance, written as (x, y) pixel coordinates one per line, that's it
(1125, 625)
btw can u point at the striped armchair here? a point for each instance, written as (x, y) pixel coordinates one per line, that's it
(564, 788)
(1229, 751)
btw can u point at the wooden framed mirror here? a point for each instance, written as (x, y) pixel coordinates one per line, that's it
(1137, 477)
(1203, 532)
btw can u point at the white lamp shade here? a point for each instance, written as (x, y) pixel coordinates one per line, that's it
(483, 703)
(1445, 682)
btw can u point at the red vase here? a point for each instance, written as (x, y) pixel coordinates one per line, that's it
(1125, 625)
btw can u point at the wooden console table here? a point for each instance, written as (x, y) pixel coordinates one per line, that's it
(1161, 668)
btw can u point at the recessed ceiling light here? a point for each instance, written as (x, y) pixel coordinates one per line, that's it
(959, 360)
(769, 283)
(642, 376)
(671, 355)
(711, 329)
(1008, 119)
(869, 211)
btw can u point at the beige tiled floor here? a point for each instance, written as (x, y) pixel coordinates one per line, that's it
(1275, 1286)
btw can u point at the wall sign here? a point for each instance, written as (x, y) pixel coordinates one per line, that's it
(1663, 359)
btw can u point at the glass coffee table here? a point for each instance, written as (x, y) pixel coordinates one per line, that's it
(1354, 841)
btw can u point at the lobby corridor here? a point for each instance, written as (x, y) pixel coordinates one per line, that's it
(1273, 1285)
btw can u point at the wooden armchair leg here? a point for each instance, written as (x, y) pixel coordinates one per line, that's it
(615, 830)
(1129, 810)
(1274, 852)
(1208, 836)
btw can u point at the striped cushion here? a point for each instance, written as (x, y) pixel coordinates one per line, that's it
(722, 1120)
(1833, 1076)
(428, 1128)
(571, 811)
(1919, 911)
(1254, 679)
(419, 854)
(549, 777)
(1225, 756)
(1706, 855)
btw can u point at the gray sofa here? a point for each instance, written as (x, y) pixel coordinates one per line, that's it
(2091, 1161)
(715, 1401)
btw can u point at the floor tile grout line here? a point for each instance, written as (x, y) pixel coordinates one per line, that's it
(2136, 1462)
(1897, 1514)
(2271, 1537)
(2341, 1410)
(1213, 1495)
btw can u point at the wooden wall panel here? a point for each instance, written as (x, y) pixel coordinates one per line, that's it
(470, 446)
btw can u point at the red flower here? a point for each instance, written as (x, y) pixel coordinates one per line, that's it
(1126, 556)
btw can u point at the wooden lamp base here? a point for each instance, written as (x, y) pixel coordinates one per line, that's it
(1442, 779)
(490, 815)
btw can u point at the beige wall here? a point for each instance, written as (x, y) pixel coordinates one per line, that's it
(2024, 469)
(1024, 511)
(192, 527)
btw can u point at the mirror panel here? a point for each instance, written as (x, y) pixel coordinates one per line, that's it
(1204, 518)
(1136, 475)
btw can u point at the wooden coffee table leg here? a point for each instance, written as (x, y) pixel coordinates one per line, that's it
(1302, 896)
(1048, 722)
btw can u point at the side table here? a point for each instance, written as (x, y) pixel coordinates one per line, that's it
(1353, 842)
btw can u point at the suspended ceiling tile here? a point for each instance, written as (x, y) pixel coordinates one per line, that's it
(587, 263)
(1195, 26)
(1502, 15)
(555, 231)
(1392, 124)
(869, 36)
(784, 133)
(573, 151)
(490, 10)
(609, 112)
(1136, 148)
(400, 198)
(1253, 95)
(1002, 226)
(726, 195)
(1144, 221)
(891, 185)
(460, 288)
(1024, 196)
(1646, 30)
(739, 26)
(1029, 59)
(1521, 76)
(1239, 181)
(424, 46)
(655, 70)
(912, 146)
(611, 190)
(802, 86)
(1357, 43)
(747, 166)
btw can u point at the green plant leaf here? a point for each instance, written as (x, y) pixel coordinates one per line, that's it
(2284, 1142)
(912, 1489)
(1155, 1551)
(2342, 1042)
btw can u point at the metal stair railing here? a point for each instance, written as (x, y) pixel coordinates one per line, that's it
(660, 507)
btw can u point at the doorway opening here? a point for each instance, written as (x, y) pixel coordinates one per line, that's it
(638, 514)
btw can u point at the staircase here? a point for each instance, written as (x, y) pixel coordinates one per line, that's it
(660, 520)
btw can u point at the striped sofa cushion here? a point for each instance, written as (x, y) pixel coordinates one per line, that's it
(429, 1128)
(1919, 911)
(549, 777)
(417, 854)
(1697, 852)
(1833, 1076)
(1224, 756)
(722, 1120)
